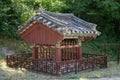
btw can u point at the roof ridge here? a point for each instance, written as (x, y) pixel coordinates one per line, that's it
(54, 20)
(60, 14)
(39, 11)
(84, 23)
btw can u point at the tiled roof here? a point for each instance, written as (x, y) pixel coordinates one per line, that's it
(64, 23)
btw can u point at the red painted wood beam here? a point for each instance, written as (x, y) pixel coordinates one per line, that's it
(35, 52)
(79, 53)
(58, 55)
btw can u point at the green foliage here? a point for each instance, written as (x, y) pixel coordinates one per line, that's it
(13, 13)
(105, 13)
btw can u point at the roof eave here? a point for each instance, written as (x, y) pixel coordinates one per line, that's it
(77, 35)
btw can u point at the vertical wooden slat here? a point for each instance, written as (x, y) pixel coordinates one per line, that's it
(80, 52)
(63, 54)
(49, 54)
(43, 53)
(77, 55)
(72, 55)
(72, 42)
(69, 54)
(65, 42)
(34, 52)
(68, 42)
(75, 52)
(66, 53)
(46, 54)
(58, 54)
(40, 53)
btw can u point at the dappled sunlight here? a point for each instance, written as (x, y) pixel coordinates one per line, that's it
(10, 73)
(18, 74)
(5, 68)
(83, 79)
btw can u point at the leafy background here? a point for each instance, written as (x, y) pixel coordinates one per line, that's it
(105, 13)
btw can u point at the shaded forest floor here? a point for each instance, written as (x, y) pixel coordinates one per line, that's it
(7, 73)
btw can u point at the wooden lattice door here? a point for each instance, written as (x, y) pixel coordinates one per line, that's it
(45, 53)
(70, 53)
(69, 50)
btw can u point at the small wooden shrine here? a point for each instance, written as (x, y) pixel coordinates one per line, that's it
(56, 40)
(57, 36)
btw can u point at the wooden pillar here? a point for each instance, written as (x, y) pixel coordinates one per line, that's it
(79, 48)
(58, 52)
(79, 53)
(58, 55)
(35, 52)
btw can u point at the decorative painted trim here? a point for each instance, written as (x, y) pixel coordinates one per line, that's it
(69, 46)
(27, 27)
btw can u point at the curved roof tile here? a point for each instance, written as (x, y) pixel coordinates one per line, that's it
(64, 23)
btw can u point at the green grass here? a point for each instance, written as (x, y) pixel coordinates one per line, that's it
(7, 73)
